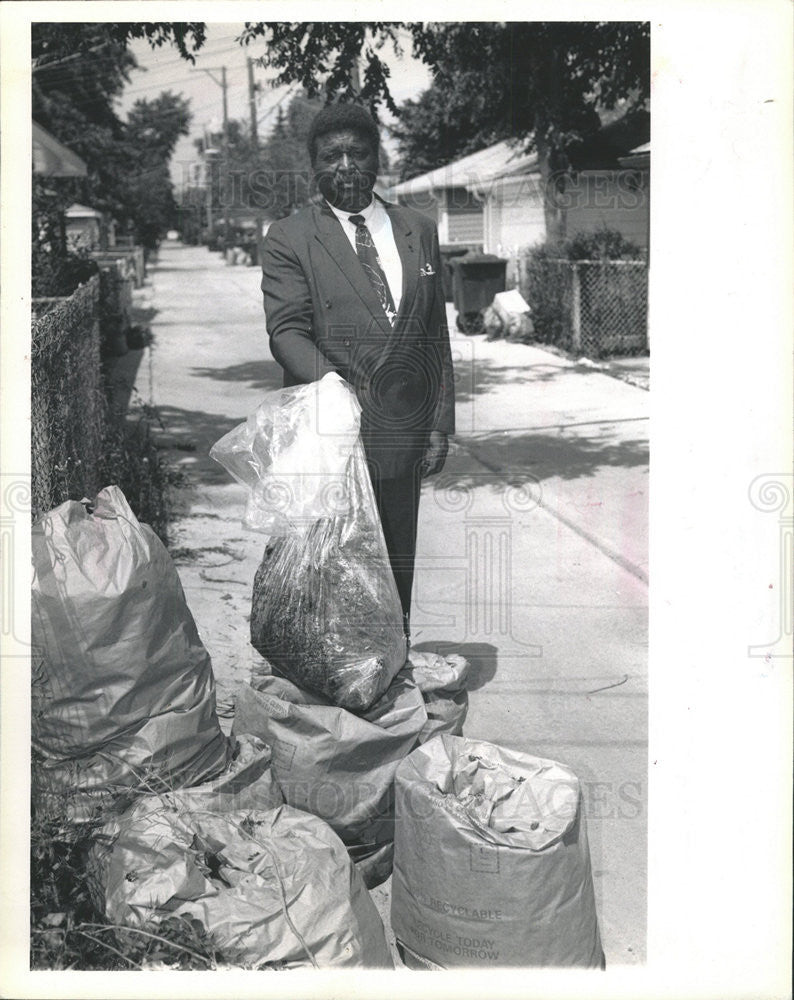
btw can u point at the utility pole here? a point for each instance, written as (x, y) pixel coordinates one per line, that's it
(225, 146)
(255, 147)
(252, 103)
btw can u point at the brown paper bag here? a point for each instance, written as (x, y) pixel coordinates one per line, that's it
(335, 764)
(270, 888)
(123, 692)
(491, 861)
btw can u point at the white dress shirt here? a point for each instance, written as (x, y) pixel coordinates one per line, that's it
(379, 224)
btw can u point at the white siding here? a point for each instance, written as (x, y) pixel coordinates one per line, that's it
(462, 217)
(514, 214)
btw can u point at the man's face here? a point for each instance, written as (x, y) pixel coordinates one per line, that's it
(345, 169)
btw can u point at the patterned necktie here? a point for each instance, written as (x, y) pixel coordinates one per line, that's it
(368, 255)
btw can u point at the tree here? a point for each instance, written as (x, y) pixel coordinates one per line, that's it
(151, 133)
(78, 70)
(286, 157)
(55, 45)
(327, 56)
(540, 83)
(441, 125)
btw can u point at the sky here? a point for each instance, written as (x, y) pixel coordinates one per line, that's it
(163, 69)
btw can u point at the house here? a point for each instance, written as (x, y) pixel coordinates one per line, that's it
(450, 195)
(495, 198)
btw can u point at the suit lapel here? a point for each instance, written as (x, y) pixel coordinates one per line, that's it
(329, 234)
(408, 248)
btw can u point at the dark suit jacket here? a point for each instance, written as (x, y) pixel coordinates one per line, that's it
(323, 315)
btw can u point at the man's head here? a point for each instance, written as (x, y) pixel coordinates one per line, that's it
(343, 146)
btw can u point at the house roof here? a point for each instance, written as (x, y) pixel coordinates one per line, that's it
(503, 157)
(619, 132)
(52, 159)
(76, 211)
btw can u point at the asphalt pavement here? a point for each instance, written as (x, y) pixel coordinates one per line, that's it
(531, 556)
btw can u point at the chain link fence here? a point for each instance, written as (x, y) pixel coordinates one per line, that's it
(595, 308)
(79, 444)
(67, 398)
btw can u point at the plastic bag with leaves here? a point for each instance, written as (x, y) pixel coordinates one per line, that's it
(325, 609)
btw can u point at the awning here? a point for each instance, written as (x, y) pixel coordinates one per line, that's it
(639, 157)
(52, 159)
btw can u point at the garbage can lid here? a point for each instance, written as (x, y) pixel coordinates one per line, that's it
(477, 258)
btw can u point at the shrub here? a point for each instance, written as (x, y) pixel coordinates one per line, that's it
(602, 244)
(53, 274)
(546, 283)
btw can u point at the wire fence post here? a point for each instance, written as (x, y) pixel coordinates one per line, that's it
(576, 310)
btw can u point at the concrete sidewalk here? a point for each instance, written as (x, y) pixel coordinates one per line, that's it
(532, 552)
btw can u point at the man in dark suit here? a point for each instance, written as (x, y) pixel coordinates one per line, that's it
(352, 284)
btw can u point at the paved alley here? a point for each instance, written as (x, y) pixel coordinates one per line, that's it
(531, 559)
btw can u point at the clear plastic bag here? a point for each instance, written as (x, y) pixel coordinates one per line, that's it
(292, 453)
(325, 608)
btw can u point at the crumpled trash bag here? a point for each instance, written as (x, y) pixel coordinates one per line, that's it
(270, 887)
(336, 764)
(491, 860)
(509, 317)
(123, 694)
(442, 681)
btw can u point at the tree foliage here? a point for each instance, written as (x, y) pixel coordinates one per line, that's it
(55, 45)
(151, 133)
(78, 71)
(539, 82)
(339, 60)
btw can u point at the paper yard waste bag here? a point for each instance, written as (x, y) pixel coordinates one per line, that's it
(247, 782)
(325, 609)
(442, 681)
(270, 887)
(123, 691)
(491, 861)
(335, 764)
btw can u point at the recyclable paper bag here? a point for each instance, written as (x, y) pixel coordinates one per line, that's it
(442, 681)
(335, 764)
(123, 692)
(270, 888)
(491, 861)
